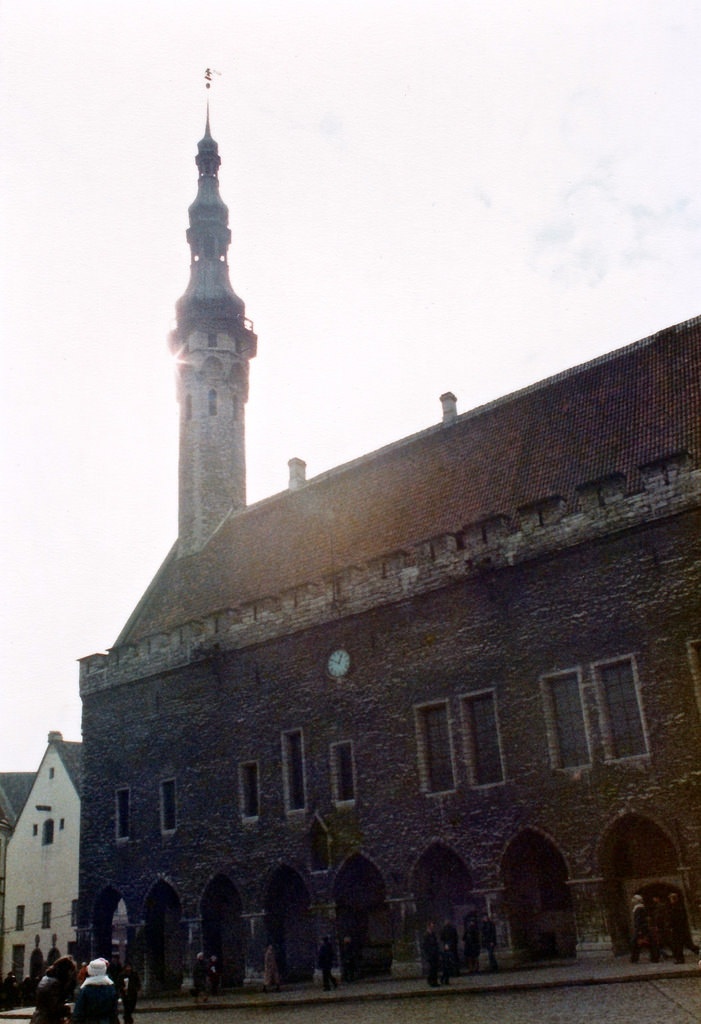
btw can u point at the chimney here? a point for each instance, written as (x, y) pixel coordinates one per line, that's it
(450, 411)
(55, 737)
(298, 473)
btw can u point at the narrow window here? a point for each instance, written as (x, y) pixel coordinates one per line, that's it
(62, 824)
(566, 721)
(47, 832)
(250, 803)
(52, 772)
(624, 727)
(435, 759)
(35, 830)
(211, 340)
(293, 762)
(46, 915)
(74, 913)
(19, 918)
(168, 806)
(188, 407)
(482, 740)
(342, 774)
(212, 402)
(122, 797)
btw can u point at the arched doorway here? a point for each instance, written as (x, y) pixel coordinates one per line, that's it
(164, 939)
(442, 887)
(363, 914)
(106, 909)
(636, 856)
(222, 929)
(537, 898)
(289, 925)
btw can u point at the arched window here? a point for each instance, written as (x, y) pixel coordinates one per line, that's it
(212, 402)
(47, 832)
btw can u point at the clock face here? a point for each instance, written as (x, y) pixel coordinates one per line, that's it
(338, 664)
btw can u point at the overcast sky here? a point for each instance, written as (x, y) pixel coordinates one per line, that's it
(424, 196)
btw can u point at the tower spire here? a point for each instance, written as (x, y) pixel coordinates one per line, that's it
(213, 342)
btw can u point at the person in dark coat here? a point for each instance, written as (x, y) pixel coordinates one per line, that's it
(449, 937)
(326, 963)
(10, 991)
(640, 930)
(471, 944)
(679, 935)
(488, 936)
(54, 991)
(199, 978)
(97, 999)
(213, 976)
(432, 954)
(128, 987)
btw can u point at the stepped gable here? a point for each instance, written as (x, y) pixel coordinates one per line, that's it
(609, 416)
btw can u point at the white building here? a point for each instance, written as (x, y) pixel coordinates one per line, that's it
(42, 865)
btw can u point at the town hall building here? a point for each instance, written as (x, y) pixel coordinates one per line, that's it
(460, 674)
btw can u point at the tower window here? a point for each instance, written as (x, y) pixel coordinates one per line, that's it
(211, 340)
(212, 402)
(188, 407)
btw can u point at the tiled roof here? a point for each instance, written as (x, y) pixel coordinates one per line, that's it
(15, 787)
(70, 753)
(608, 416)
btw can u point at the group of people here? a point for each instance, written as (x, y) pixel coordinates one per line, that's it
(661, 928)
(442, 955)
(206, 977)
(96, 994)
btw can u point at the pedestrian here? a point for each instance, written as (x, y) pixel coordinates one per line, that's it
(488, 936)
(432, 954)
(326, 963)
(348, 964)
(97, 998)
(10, 991)
(213, 976)
(449, 935)
(471, 944)
(447, 964)
(271, 972)
(54, 992)
(199, 978)
(679, 935)
(129, 986)
(640, 929)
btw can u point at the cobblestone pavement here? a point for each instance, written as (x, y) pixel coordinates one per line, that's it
(671, 1000)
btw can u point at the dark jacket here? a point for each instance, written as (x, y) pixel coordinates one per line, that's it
(96, 1004)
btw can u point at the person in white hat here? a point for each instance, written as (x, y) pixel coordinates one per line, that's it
(97, 999)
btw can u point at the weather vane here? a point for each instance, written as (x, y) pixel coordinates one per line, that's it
(208, 77)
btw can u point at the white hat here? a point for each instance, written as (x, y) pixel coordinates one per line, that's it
(97, 967)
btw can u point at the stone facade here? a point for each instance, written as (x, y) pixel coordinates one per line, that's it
(459, 675)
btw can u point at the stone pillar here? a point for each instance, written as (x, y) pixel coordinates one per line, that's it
(193, 946)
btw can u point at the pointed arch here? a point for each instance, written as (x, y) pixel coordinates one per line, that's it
(537, 898)
(223, 932)
(636, 854)
(165, 947)
(288, 924)
(442, 885)
(104, 910)
(363, 914)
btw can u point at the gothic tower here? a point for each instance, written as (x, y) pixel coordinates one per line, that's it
(213, 342)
